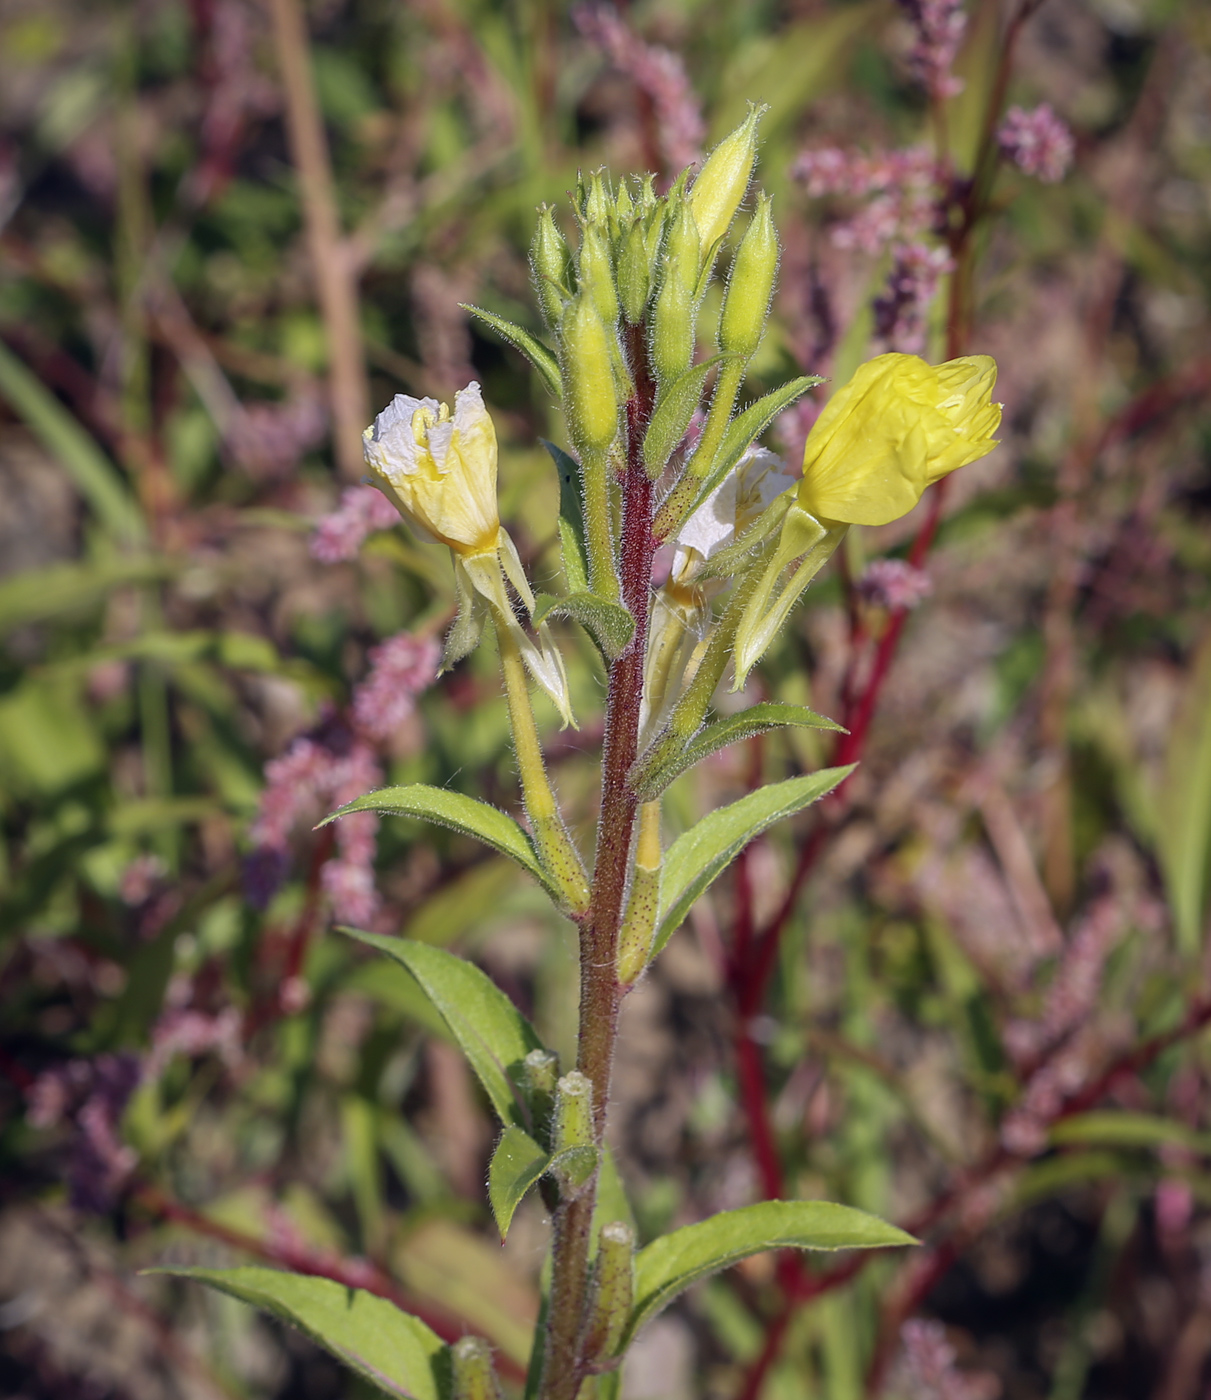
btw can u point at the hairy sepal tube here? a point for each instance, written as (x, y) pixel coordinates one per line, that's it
(656, 450)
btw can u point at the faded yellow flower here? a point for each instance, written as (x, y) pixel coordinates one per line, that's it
(898, 426)
(438, 469)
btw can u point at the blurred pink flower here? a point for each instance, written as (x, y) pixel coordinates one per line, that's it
(657, 72)
(902, 187)
(362, 511)
(928, 1367)
(912, 284)
(1037, 142)
(400, 668)
(893, 583)
(939, 26)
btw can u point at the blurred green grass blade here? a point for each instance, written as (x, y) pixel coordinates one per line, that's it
(95, 476)
(41, 594)
(1184, 807)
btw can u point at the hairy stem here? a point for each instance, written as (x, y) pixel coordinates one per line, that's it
(600, 992)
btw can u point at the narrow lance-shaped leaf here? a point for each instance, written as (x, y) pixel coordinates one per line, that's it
(746, 427)
(534, 350)
(672, 414)
(609, 624)
(650, 782)
(571, 520)
(491, 1032)
(387, 1347)
(698, 856)
(516, 1165)
(457, 811)
(668, 1265)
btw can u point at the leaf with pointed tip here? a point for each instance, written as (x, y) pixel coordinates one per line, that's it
(609, 624)
(571, 520)
(668, 1265)
(534, 350)
(457, 811)
(650, 781)
(491, 1032)
(746, 427)
(392, 1350)
(516, 1165)
(702, 853)
(671, 416)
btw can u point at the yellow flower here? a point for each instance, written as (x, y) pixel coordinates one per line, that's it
(898, 426)
(438, 470)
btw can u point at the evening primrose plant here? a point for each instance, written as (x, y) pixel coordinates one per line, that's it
(661, 454)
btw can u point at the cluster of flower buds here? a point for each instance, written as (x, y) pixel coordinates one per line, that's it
(650, 400)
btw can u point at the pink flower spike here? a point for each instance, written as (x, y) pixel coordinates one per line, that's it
(363, 511)
(1037, 142)
(400, 668)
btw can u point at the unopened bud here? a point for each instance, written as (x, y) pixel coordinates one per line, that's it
(746, 302)
(624, 205)
(613, 1292)
(647, 194)
(539, 1072)
(597, 198)
(551, 263)
(473, 1375)
(643, 906)
(590, 397)
(596, 269)
(634, 275)
(673, 321)
(682, 244)
(716, 193)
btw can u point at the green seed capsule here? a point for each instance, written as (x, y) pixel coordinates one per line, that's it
(573, 1112)
(587, 364)
(624, 205)
(716, 193)
(596, 271)
(551, 264)
(634, 274)
(746, 302)
(613, 1291)
(474, 1376)
(540, 1070)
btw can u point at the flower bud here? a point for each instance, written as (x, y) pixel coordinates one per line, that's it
(746, 302)
(716, 194)
(596, 271)
(673, 320)
(682, 244)
(613, 1292)
(551, 264)
(647, 195)
(473, 1375)
(624, 205)
(590, 397)
(898, 426)
(634, 274)
(597, 198)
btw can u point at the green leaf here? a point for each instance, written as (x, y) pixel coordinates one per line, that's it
(1184, 807)
(458, 811)
(1110, 1129)
(516, 1165)
(571, 520)
(94, 475)
(670, 1264)
(609, 624)
(575, 1165)
(672, 415)
(698, 856)
(40, 594)
(534, 351)
(393, 1351)
(746, 427)
(650, 782)
(492, 1033)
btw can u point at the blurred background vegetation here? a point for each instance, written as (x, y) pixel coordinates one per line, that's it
(987, 1010)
